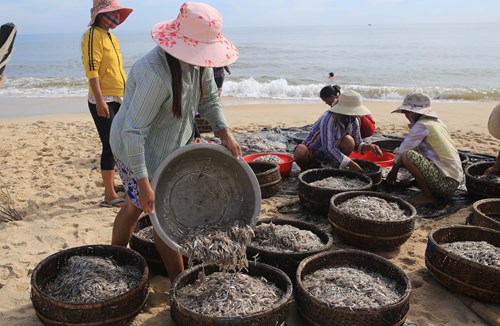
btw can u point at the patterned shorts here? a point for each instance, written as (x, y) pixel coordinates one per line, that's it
(129, 183)
(440, 185)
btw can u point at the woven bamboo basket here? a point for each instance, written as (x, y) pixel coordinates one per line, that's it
(203, 125)
(486, 213)
(477, 187)
(276, 314)
(317, 199)
(318, 313)
(371, 169)
(269, 177)
(289, 261)
(115, 311)
(371, 234)
(459, 274)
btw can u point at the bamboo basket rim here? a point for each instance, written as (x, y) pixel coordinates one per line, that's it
(476, 209)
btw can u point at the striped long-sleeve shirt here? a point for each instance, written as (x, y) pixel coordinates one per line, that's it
(145, 130)
(325, 136)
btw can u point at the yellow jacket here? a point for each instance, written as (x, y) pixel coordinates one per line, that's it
(102, 59)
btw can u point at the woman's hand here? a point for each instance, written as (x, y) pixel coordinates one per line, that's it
(227, 139)
(373, 148)
(392, 176)
(353, 166)
(146, 195)
(102, 109)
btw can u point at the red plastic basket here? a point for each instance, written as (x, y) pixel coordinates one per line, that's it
(285, 166)
(387, 158)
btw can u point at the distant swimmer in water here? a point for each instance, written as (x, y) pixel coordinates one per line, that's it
(331, 75)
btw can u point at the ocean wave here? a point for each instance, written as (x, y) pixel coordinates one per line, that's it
(251, 88)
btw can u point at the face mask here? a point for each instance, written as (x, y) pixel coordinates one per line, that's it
(111, 19)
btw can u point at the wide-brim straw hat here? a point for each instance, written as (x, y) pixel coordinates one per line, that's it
(102, 6)
(494, 122)
(417, 103)
(195, 37)
(349, 103)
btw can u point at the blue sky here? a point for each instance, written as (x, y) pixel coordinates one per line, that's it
(52, 16)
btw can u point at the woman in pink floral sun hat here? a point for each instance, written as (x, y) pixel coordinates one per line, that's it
(164, 90)
(103, 65)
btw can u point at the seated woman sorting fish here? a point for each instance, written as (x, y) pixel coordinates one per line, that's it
(427, 152)
(334, 136)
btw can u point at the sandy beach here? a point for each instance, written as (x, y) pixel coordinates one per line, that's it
(50, 155)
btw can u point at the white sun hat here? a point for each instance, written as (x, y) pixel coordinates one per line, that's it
(349, 103)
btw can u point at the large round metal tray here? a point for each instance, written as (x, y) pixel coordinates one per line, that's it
(201, 184)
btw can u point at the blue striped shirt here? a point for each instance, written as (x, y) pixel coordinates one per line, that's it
(325, 136)
(145, 130)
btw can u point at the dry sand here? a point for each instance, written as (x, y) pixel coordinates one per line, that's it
(50, 168)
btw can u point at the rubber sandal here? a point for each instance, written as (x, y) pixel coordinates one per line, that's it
(112, 203)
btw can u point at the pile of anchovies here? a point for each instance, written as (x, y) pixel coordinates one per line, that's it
(372, 208)
(91, 279)
(219, 244)
(285, 238)
(480, 252)
(146, 234)
(229, 295)
(352, 288)
(339, 183)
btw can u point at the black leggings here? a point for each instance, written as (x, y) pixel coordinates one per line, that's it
(103, 126)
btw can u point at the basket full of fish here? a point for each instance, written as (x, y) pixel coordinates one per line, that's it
(268, 175)
(351, 288)
(486, 213)
(371, 220)
(480, 185)
(284, 243)
(466, 259)
(317, 186)
(90, 285)
(206, 295)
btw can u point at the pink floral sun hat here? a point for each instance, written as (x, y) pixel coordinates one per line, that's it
(195, 37)
(102, 6)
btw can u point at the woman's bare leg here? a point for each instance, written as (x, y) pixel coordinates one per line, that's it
(124, 224)
(171, 258)
(425, 196)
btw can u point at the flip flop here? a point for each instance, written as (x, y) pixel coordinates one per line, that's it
(112, 203)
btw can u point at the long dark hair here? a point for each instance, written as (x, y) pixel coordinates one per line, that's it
(176, 74)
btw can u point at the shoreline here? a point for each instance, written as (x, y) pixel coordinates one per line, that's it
(465, 120)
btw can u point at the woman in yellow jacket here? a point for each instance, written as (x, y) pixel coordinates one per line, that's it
(103, 64)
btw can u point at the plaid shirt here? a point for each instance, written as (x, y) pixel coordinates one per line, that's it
(325, 136)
